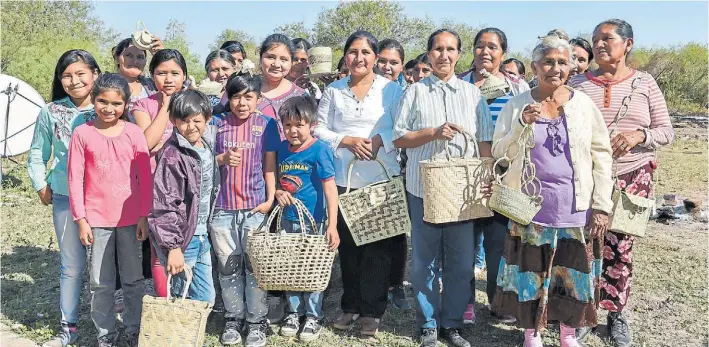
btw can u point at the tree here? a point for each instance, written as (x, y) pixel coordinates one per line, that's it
(232, 35)
(176, 38)
(296, 30)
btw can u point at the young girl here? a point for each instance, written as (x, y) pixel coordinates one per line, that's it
(110, 194)
(71, 106)
(169, 72)
(277, 54)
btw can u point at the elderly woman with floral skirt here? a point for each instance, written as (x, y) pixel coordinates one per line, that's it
(550, 268)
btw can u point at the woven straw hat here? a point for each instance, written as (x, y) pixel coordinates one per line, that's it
(142, 38)
(493, 87)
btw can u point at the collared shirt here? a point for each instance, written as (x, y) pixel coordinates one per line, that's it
(341, 114)
(431, 103)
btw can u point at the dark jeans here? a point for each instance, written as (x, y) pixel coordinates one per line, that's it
(366, 271)
(398, 262)
(493, 230)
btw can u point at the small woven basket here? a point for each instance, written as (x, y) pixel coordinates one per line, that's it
(167, 322)
(320, 60)
(297, 262)
(452, 186)
(377, 211)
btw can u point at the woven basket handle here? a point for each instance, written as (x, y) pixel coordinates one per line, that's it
(188, 273)
(467, 139)
(277, 214)
(351, 166)
(138, 25)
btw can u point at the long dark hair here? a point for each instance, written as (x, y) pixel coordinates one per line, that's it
(68, 58)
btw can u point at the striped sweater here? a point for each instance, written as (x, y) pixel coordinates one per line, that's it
(647, 111)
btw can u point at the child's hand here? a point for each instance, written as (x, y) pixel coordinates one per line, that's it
(141, 232)
(263, 208)
(284, 198)
(175, 262)
(86, 236)
(333, 238)
(232, 157)
(45, 195)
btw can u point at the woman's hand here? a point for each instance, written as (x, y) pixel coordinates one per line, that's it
(377, 143)
(447, 131)
(486, 188)
(622, 143)
(86, 236)
(360, 147)
(599, 224)
(164, 99)
(156, 45)
(45, 195)
(531, 113)
(175, 261)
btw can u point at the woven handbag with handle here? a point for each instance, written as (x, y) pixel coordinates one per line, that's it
(514, 204)
(452, 186)
(167, 322)
(298, 262)
(377, 211)
(631, 213)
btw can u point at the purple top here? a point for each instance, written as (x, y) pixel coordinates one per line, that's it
(552, 158)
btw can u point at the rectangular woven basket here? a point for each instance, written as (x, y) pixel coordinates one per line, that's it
(288, 261)
(452, 187)
(168, 322)
(377, 211)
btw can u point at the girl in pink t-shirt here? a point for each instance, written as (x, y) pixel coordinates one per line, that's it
(110, 195)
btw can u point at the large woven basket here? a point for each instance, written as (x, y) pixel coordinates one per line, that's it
(320, 60)
(297, 262)
(452, 186)
(377, 211)
(167, 322)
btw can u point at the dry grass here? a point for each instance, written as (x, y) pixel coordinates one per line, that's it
(668, 306)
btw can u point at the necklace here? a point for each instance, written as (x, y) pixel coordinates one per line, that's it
(554, 141)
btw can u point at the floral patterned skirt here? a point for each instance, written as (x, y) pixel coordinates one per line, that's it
(618, 248)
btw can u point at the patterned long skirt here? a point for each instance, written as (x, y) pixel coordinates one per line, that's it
(618, 249)
(549, 274)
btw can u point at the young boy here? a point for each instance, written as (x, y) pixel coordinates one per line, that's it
(306, 171)
(186, 182)
(246, 143)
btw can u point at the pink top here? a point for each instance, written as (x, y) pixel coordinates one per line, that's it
(110, 183)
(150, 106)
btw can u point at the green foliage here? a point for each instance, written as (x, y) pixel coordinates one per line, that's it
(248, 41)
(176, 38)
(296, 30)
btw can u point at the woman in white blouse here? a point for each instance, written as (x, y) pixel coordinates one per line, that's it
(355, 117)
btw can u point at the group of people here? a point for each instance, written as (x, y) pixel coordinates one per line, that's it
(156, 177)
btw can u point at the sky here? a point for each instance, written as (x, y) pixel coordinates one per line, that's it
(654, 23)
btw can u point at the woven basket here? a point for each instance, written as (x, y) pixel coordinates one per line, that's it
(167, 322)
(377, 211)
(452, 186)
(320, 60)
(289, 261)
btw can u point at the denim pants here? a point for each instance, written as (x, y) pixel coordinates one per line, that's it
(107, 243)
(304, 303)
(199, 259)
(243, 299)
(72, 255)
(434, 309)
(479, 249)
(494, 230)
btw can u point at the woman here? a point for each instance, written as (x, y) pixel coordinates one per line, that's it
(355, 118)
(431, 112)
(219, 66)
(549, 269)
(130, 62)
(489, 52)
(635, 137)
(583, 54)
(391, 61)
(237, 51)
(169, 71)
(422, 67)
(342, 70)
(514, 67)
(300, 67)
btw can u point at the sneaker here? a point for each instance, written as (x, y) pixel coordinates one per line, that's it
(232, 332)
(618, 329)
(118, 301)
(502, 318)
(452, 336)
(582, 333)
(369, 326)
(276, 308)
(311, 330)
(66, 336)
(532, 338)
(567, 336)
(290, 325)
(106, 341)
(397, 297)
(429, 337)
(469, 314)
(345, 321)
(257, 335)
(132, 340)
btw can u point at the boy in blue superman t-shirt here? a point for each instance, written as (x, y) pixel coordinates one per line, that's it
(306, 172)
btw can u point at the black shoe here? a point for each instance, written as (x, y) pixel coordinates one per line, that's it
(232, 332)
(583, 332)
(429, 337)
(107, 341)
(311, 330)
(397, 297)
(453, 337)
(618, 329)
(257, 335)
(276, 307)
(290, 325)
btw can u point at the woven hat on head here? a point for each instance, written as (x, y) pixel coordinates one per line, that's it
(208, 87)
(320, 60)
(493, 87)
(142, 38)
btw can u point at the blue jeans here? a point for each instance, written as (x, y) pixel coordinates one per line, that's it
(72, 256)
(304, 303)
(198, 258)
(243, 299)
(426, 240)
(479, 249)
(494, 230)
